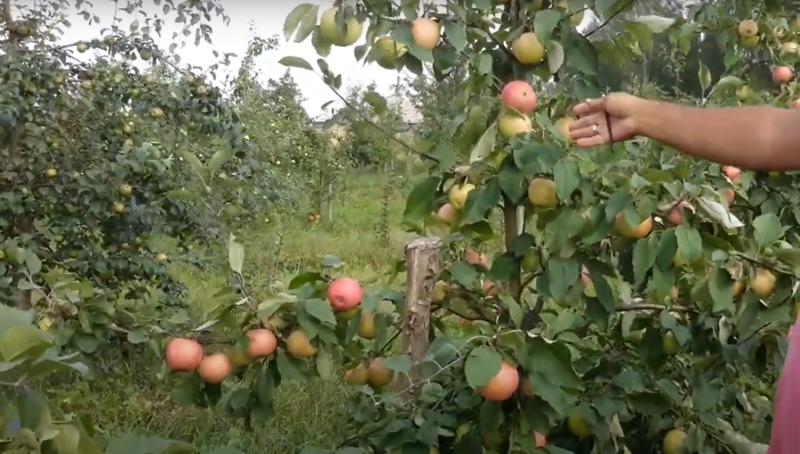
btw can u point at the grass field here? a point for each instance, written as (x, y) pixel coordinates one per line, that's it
(130, 397)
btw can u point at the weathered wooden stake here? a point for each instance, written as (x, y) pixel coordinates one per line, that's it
(422, 262)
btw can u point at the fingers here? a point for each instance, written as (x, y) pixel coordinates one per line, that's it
(585, 122)
(594, 141)
(589, 106)
(582, 133)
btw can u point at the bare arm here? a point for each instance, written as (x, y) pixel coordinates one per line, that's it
(755, 138)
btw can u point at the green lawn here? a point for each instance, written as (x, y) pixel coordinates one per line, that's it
(129, 396)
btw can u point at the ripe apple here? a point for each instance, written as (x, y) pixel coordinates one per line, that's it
(82, 47)
(729, 196)
(344, 294)
(215, 368)
(622, 228)
(118, 208)
(511, 125)
(425, 33)
(329, 30)
(732, 173)
(378, 374)
(527, 49)
(562, 125)
(299, 345)
(542, 193)
(157, 112)
(519, 95)
(386, 51)
(356, 376)
(763, 283)
(782, 74)
(747, 28)
(503, 385)
(748, 42)
(457, 196)
(262, 343)
(51, 173)
(675, 215)
(744, 92)
(161, 258)
(125, 190)
(673, 441)
(489, 288)
(475, 258)
(183, 354)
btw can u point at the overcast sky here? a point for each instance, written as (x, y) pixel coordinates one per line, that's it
(267, 19)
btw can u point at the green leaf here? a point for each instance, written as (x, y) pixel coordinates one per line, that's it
(485, 145)
(554, 361)
(290, 368)
(514, 309)
(644, 257)
(325, 366)
(401, 364)
(463, 273)
(235, 254)
(307, 25)
(293, 19)
(536, 157)
(720, 285)
(296, 62)
(504, 267)
(217, 159)
(481, 200)
(420, 202)
(544, 23)
(23, 342)
(511, 181)
(690, 243)
(555, 56)
(193, 161)
(616, 203)
(456, 35)
(567, 178)
(482, 364)
(320, 310)
(562, 273)
(33, 410)
(704, 75)
(377, 101)
(431, 392)
(767, 229)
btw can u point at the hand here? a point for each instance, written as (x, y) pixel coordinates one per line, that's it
(591, 129)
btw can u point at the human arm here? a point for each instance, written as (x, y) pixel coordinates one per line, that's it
(755, 138)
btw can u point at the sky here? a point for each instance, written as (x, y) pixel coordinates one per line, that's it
(266, 19)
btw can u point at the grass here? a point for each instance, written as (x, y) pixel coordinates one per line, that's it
(129, 397)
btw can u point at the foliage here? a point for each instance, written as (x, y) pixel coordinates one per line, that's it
(28, 355)
(620, 337)
(89, 158)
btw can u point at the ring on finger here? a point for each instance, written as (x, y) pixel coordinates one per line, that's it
(594, 128)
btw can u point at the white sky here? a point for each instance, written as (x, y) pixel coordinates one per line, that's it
(267, 19)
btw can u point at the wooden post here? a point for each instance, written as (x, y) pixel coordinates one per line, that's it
(422, 262)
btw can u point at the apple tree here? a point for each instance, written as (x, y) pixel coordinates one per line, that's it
(296, 165)
(641, 298)
(28, 423)
(93, 152)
